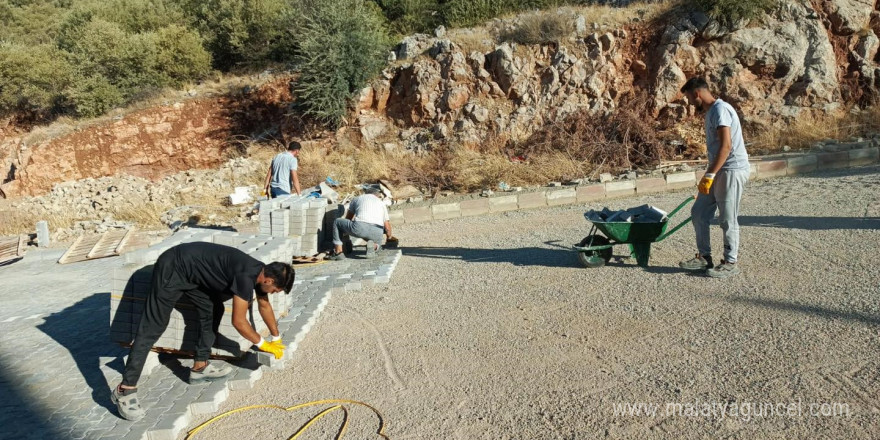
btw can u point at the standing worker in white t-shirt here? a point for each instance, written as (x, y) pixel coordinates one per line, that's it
(282, 172)
(722, 186)
(367, 218)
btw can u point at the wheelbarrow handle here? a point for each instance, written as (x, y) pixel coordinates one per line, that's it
(682, 205)
(680, 225)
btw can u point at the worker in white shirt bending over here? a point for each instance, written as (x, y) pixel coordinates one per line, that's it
(367, 218)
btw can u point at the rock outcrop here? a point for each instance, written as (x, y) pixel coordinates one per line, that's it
(802, 58)
(789, 63)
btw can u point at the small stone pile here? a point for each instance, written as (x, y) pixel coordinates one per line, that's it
(97, 204)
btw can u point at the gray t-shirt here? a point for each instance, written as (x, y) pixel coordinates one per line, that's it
(282, 165)
(722, 114)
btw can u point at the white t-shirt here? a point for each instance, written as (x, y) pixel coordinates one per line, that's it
(369, 209)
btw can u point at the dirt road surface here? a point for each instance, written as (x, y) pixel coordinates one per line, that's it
(490, 329)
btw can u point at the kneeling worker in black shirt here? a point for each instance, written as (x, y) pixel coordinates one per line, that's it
(207, 274)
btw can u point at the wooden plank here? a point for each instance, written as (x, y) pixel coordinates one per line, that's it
(93, 252)
(104, 245)
(79, 250)
(63, 259)
(22, 243)
(124, 240)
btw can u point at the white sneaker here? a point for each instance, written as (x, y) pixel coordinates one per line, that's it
(210, 372)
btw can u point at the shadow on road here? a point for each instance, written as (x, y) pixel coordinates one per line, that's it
(527, 256)
(810, 223)
(83, 329)
(20, 417)
(822, 312)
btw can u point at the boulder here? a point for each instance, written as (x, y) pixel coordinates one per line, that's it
(849, 16)
(412, 46)
(372, 127)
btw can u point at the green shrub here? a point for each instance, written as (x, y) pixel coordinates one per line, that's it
(92, 96)
(135, 16)
(180, 56)
(102, 48)
(410, 16)
(540, 28)
(114, 63)
(29, 23)
(342, 43)
(242, 31)
(731, 12)
(32, 78)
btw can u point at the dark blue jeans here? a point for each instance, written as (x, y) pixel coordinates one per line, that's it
(278, 192)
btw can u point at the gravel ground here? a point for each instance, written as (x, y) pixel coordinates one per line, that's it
(490, 329)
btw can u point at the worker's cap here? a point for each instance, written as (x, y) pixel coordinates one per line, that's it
(374, 190)
(282, 273)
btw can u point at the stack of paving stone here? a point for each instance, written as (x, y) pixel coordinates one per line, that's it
(131, 284)
(303, 220)
(313, 237)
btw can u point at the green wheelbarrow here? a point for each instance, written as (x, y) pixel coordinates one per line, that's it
(595, 249)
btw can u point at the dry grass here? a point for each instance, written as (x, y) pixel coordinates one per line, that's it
(540, 28)
(143, 215)
(808, 129)
(612, 17)
(472, 40)
(350, 166)
(15, 222)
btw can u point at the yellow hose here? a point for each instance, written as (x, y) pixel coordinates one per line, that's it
(338, 404)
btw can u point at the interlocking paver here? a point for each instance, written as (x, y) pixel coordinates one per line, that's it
(57, 315)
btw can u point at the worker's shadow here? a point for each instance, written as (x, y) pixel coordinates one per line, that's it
(83, 330)
(810, 223)
(524, 256)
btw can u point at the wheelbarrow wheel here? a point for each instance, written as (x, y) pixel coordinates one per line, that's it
(593, 259)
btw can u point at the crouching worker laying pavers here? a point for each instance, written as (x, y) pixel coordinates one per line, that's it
(206, 274)
(367, 218)
(722, 186)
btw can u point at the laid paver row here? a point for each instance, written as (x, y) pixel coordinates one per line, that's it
(73, 401)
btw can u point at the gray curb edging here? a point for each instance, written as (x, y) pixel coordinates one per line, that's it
(864, 153)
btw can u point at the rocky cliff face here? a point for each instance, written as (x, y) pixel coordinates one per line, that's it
(804, 57)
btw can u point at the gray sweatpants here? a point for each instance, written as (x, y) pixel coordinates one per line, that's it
(367, 231)
(724, 196)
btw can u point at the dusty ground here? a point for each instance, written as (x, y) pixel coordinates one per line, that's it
(490, 329)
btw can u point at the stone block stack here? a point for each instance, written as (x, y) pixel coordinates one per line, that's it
(132, 283)
(307, 222)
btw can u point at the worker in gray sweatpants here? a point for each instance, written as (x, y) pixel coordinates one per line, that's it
(721, 188)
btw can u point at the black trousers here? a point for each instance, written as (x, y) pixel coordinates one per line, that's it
(166, 288)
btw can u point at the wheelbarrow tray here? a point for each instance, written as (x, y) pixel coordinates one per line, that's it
(595, 250)
(626, 232)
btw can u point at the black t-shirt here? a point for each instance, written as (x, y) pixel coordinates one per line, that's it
(220, 271)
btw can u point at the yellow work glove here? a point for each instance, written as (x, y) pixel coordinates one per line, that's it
(277, 341)
(706, 183)
(271, 347)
